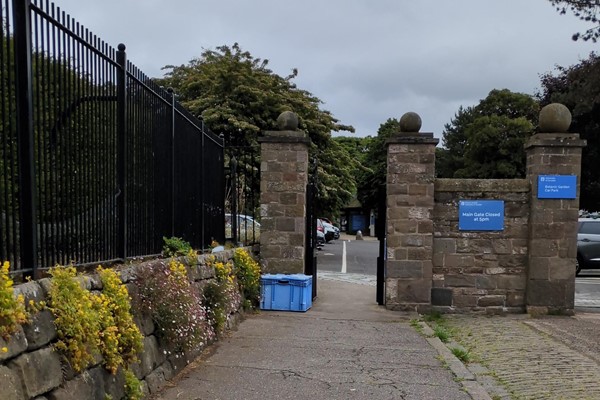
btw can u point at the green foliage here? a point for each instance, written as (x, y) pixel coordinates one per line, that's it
(133, 387)
(167, 296)
(373, 176)
(76, 318)
(578, 88)
(486, 141)
(441, 333)
(12, 308)
(239, 97)
(434, 316)
(462, 354)
(93, 324)
(215, 297)
(247, 271)
(223, 296)
(176, 247)
(121, 340)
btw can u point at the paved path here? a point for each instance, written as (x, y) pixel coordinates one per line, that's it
(345, 347)
(546, 358)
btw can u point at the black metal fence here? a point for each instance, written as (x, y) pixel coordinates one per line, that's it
(98, 162)
(242, 193)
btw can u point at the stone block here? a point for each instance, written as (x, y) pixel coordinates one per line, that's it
(40, 331)
(290, 199)
(491, 301)
(515, 299)
(404, 269)
(296, 239)
(549, 294)
(425, 227)
(150, 358)
(16, 345)
(417, 240)
(456, 260)
(464, 301)
(444, 245)
(512, 261)
(400, 254)
(114, 385)
(438, 260)
(89, 385)
(156, 380)
(512, 282)
(441, 296)
(30, 291)
(561, 269)
(414, 291)
(453, 280)
(11, 387)
(419, 254)
(485, 282)
(543, 248)
(40, 371)
(285, 224)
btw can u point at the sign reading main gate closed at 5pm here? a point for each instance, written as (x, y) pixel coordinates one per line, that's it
(481, 215)
(557, 186)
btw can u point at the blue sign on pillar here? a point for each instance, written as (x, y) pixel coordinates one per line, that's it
(481, 215)
(557, 187)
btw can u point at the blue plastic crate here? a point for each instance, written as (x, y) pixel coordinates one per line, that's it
(286, 292)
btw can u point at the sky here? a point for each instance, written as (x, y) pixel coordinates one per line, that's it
(367, 60)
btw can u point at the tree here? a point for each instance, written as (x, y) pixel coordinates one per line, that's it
(486, 141)
(585, 10)
(373, 176)
(578, 88)
(239, 97)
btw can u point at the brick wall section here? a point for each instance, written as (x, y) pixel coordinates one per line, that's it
(553, 224)
(410, 176)
(284, 175)
(483, 270)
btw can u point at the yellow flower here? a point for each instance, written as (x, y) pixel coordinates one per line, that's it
(5, 349)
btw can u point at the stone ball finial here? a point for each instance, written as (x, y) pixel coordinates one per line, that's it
(287, 121)
(554, 118)
(410, 122)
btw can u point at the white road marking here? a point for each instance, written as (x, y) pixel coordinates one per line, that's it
(344, 258)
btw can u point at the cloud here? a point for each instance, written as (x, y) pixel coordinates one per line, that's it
(367, 60)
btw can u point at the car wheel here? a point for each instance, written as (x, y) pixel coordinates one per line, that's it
(578, 265)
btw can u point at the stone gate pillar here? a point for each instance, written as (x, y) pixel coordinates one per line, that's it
(552, 221)
(410, 201)
(283, 179)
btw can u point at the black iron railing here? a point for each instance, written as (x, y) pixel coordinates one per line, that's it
(242, 190)
(98, 162)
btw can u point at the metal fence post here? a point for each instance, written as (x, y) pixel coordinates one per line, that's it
(24, 103)
(172, 203)
(122, 151)
(234, 205)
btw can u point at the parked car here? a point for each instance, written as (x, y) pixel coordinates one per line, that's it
(588, 244)
(248, 229)
(327, 230)
(336, 230)
(320, 239)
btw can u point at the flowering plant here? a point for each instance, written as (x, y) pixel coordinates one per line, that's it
(12, 308)
(166, 294)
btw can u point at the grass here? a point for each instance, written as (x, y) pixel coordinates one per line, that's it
(441, 333)
(462, 354)
(434, 316)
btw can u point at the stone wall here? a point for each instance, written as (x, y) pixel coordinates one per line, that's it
(480, 270)
(32, 369)
(524, 263)
(283, 180)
